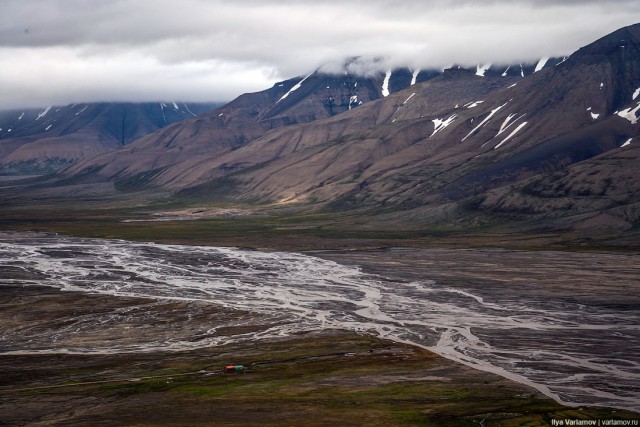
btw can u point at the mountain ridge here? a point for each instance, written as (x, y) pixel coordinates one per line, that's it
(295, 101)
(482, 143)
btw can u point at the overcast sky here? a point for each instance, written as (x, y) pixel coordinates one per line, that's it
(66, 51)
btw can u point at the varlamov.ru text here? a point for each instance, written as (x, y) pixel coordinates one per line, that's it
(568, 422)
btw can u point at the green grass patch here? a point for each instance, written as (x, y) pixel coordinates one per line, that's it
(326, 379)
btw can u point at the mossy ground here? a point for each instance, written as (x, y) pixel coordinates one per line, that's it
(280, 228)
(333, 378)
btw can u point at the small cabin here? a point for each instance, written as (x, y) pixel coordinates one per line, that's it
(234, 368)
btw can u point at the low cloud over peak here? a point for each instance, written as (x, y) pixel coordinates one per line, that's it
(60, 51)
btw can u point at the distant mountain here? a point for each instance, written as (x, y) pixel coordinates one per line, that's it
(40, 140)
(182, 155)
(553, 142)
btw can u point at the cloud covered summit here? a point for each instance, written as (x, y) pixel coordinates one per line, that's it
(64, 51)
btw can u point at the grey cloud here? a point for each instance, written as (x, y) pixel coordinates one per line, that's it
(248, 44)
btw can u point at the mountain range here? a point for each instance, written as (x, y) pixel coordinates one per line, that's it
(49, 138)
(191, 152)
(555, 144)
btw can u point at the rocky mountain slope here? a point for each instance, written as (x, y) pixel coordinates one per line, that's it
(41, 140)
(187, 147)
(452, 138)
(556, 143)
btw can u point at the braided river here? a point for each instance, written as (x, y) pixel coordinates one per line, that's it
(570, 351)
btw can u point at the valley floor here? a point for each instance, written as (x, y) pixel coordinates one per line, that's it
(316, 378)
(322, 378)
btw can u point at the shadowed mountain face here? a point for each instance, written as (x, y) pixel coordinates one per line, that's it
(542, 140)
(41, 140)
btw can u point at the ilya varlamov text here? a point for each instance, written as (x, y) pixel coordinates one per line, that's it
(568, 422)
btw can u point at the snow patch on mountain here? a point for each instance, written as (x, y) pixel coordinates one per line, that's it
(162, 107)
(630, 114)
(399, 107)
(541, 64)
(506, 124)
(83, 108)
(481, 69)
(43, 113)
(410, 96)
(511, 135)
(633, 97)
(472, 104)
(191, 112)
(626, 143)
(294, 88)
(354, 101)
(385, 84)
(22, 115)
(483, 122)
(414, 76)
(439, 124)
